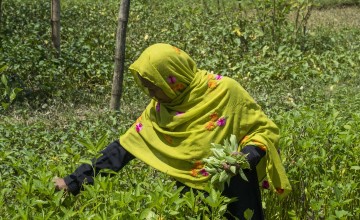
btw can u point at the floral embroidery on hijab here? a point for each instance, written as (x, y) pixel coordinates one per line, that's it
(168, 139)
(198, 164)
(279, 191)
(198, 167)
(221, 122)
(204, 172)
(178, 87)
(179, 113)
(213, 80)
(215, 121)
(138, 125)
(210, 126)
(218, 77)
(194, 172)
(265, 184)
(177, 50)
(157, 107)
(171, 79)
(212, 84)
(175, 86)
(214, 116)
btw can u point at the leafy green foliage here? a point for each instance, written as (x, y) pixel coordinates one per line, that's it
(8, 94)
(332, 3)
(225, 163)
(309, 85)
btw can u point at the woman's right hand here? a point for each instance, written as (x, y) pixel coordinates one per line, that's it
(60, 184)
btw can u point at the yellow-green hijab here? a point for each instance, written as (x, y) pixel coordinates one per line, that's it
(206, 108)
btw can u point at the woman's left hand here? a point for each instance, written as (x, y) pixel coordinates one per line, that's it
(60, 184)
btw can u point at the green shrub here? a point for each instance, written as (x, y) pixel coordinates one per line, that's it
(309, 85)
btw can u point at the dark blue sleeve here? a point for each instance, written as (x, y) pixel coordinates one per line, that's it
(254, 154)
(113, 157)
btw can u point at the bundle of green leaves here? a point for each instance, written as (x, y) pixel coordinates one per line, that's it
(225, 163)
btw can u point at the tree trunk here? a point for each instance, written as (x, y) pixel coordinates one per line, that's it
(118, 77)
(55, 24)
(0, 13)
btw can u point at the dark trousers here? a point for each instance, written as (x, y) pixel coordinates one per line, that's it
(115, 157)
(248, 196)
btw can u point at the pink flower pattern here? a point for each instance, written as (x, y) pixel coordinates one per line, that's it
(204, 172)
(157, 107)
(218, 77)
(138, 127)
(215, 121)
(265, 184)
(221, 122)
(171, 79)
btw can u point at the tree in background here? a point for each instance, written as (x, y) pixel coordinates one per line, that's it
(55, 24)
(118, 77)
(0, 12)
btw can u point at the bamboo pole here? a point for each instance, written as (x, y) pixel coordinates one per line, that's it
(116, 91)
(55, 25)
(0, 14)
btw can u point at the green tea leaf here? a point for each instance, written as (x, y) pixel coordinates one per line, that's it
(230, 159)
(248, 214)
(355, 167)
(85, 161)
(223, 176)
(233, 169)
(4, 80)
(242, 174)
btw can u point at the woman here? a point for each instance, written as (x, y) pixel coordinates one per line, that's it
(189, 110)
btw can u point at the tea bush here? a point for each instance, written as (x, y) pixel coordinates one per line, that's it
(309, 87)
(87, 40)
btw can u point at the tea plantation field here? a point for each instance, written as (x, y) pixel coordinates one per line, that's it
(301, 64)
